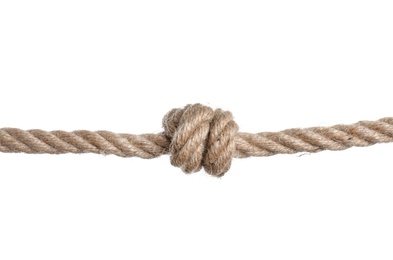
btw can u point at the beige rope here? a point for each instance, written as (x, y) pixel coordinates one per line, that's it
(197, 136)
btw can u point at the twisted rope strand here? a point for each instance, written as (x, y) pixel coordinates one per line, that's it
(315, 139)
(13, 140)
(197, 136)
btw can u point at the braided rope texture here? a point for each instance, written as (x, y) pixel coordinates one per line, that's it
(196, 137)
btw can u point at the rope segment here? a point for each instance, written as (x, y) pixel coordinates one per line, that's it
(196, 137)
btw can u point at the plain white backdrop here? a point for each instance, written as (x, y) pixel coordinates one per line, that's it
(121, 65)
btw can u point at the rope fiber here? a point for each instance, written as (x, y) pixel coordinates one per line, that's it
(196, 137)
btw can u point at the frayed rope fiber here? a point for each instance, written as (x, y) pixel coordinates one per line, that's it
(196, 137)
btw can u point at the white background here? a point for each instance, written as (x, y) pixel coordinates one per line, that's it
(121, 65)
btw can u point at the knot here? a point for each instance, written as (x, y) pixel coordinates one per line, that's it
(201, 137)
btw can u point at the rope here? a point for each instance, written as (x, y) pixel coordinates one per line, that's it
(198, 137)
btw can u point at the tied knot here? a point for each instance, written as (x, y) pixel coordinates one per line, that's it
(201, 137)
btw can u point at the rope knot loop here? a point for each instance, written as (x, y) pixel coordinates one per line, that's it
(201, 137)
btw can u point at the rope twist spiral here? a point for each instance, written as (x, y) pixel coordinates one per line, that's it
(197, 137)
